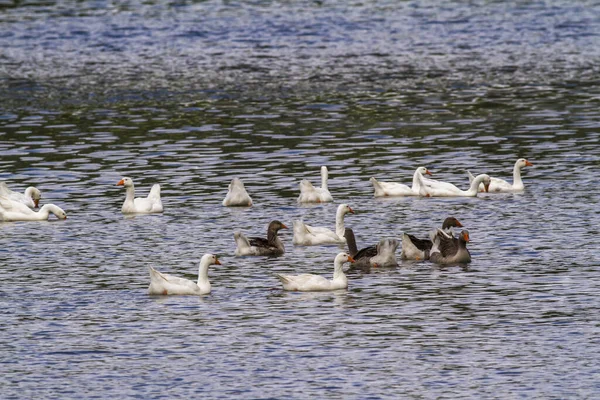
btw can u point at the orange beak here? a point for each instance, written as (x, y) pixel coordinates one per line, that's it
(458, 224)
(428, 173)
(120, 183)
(487, 187)
(528, 164)
(466, 237)
(350, 210)
(217, 262)
(350, 259)
(36, 203)
(283, 226)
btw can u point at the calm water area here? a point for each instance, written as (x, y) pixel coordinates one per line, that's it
(191, 94)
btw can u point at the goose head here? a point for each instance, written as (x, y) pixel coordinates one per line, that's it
(345, 209)
(521, 162)
(274, 226)
(451, 222)
(35, 195)
(342, 258)
(126, 182)
(464, 236)
(424, 171)
(209, 259)
(56, 210)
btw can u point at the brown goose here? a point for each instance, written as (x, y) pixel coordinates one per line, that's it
(381, 255)
(257, 246)
(414, 248)
(450, 250)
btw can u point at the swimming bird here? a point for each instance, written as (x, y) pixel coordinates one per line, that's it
(381, 255)
(163, 284)
(315, 283)
(431, 188)
(306, 235)
(140, 205)
(447, 249)
(414, 248)
(498, 185)
(11, 210)
(237, 194)
(311, 194)
(384, 189)
(257, 246)
(31, 197)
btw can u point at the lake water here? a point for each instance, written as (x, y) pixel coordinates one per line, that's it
(192, 94)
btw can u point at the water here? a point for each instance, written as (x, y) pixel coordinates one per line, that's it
(192, 94)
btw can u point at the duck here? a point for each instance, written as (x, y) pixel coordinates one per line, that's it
(414, 248)
(31, 197)
(447, 249)
(317, 283)
(237, 195)
(311, 194)
(257, 246)
(381, 255)
(140, 205)
(498, 185)
(11, 210)
(431, 188)
(306, 235)
(384, 189)
(163, 284)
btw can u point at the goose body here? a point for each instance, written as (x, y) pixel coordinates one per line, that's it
(498, 185)
(431, 188)
(11, 210)
(381, 255)
(237, 195)
(414, 248)
(306, 235)
(384, 189)
(450, 250)
(30, 198)
(164, 284)
(311, 194)
(257, 246)
(140, 205)
(317, 283)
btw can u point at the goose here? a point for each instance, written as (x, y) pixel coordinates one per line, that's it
(306, 235)
(384, 189)
(31, 197)
(311, 194)
(498, 185)
(444, 189)
(140, 205)
(414, 248)
(237, 195)
(257, 246)
(11, 210)
(315, 283)
(381, 255)
(450, 250)
(163, 284)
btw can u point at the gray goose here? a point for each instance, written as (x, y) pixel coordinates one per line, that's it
(257, 246)
(414, 248)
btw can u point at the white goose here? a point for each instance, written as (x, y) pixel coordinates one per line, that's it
(498, 185)
(317, 283)
(306, 235)
(31, 197)
(311, 194)
(383, 189)
(11, 210)
(237, 195)
(445, 189)
(164, 284)
(140, 205)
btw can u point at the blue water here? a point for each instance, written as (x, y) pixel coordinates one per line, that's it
(192, 94)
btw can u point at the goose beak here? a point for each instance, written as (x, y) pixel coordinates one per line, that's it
(458, 224)
(487, 187)
(350, 210)
(428, 172)
(120, 183)
(283, 226)
(466, 237)
(528, 164)
(217, 262)
(350, 259)
(36, 203)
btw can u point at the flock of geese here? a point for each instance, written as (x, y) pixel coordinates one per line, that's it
(442, 246)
